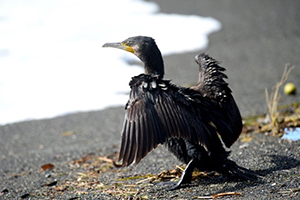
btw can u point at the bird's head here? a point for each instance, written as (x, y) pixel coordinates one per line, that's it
(139, 46)
(145, 49)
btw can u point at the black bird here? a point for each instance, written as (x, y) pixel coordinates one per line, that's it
(190, 121)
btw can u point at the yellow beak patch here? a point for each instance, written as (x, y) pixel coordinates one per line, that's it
(127, 48)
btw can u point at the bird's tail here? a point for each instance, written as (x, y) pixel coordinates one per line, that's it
(232, 169)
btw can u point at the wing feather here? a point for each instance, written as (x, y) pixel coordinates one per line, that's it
(153, 115)
(127, 144)
(168, 126)
(212, 85)
(146, 134)
(132, 146)
(123, 140)
(139, 141)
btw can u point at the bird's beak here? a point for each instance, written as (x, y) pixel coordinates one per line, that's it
(119, 45)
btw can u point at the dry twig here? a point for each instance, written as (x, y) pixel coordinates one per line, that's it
(273, 99)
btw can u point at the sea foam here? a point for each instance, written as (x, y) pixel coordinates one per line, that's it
(52, 63)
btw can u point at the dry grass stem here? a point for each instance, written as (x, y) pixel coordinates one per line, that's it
(273, 99)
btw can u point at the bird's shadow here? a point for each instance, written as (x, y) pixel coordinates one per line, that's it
(280, 163)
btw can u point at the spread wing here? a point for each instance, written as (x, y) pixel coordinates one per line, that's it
(213, 86)
(158, 110)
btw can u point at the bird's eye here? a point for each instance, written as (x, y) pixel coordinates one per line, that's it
(125, 43)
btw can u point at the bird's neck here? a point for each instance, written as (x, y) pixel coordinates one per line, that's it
(154, 65)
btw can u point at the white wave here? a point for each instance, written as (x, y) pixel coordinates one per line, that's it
(51, 60)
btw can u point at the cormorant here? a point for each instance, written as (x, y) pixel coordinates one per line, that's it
(190, 121)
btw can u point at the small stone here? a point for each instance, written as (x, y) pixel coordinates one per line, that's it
(48, 175)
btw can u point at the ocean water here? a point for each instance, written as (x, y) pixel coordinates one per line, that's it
(51, 56)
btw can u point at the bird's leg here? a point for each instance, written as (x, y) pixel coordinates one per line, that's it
(186, 175)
